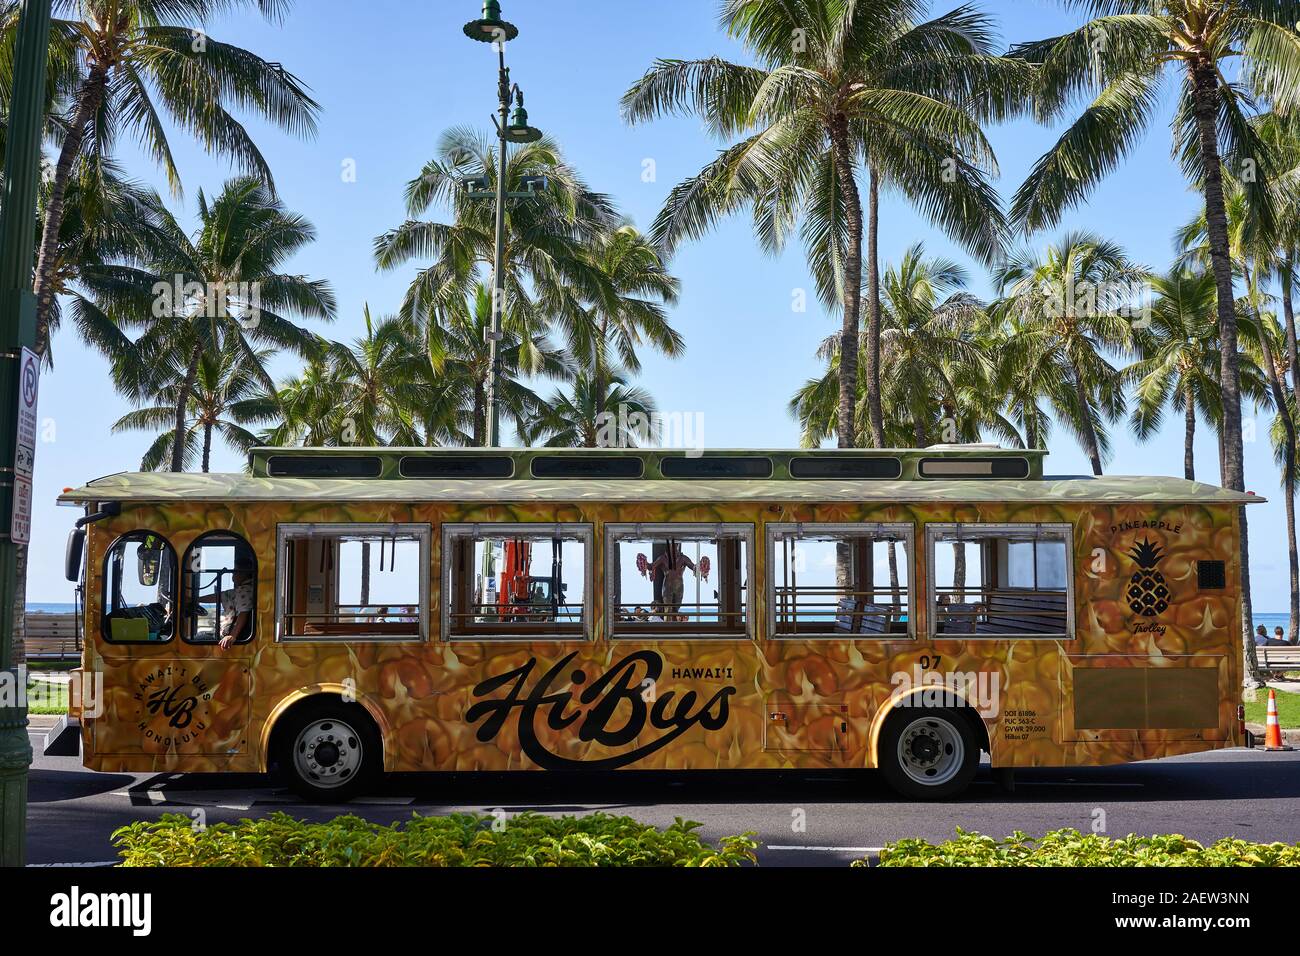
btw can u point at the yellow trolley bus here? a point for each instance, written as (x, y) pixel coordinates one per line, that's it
(339, 613)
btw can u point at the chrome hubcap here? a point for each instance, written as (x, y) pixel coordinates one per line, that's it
(931, 751)
(328, 753)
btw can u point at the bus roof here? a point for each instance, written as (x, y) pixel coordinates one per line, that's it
(169, 487)
(400, 464)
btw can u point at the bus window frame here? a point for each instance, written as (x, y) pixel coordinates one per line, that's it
(106, 598)
(422, 531)
(687, 530)
(583, 531)
(991, 531)
(849, 530)
(187, 617)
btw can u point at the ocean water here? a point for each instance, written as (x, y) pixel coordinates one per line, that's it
(1269, 619)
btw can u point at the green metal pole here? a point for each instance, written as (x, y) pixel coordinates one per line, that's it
(17, 329)
(498, 264)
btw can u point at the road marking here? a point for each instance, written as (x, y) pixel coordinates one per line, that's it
(830, 849)
(385, 801)
(90, 863)
(1073, 783)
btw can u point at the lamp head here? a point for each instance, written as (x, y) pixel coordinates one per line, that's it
(490, 28)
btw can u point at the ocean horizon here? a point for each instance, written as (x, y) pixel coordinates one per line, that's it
(1270, 619)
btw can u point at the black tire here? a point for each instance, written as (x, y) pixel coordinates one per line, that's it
(928, 753)
(329, 751)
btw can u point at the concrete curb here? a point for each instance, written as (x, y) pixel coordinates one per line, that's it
(1289, 737)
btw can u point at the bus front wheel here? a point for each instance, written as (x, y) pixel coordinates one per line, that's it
(329, 751)
(928, 754)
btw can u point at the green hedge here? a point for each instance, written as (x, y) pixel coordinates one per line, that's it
(1072, 848)
(462, 839)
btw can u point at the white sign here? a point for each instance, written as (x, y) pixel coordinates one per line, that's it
(20, 527)
(29, 382)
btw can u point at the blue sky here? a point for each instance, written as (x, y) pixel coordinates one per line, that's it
(392, 74)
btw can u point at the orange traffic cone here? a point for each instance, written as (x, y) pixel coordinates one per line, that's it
(1272, 729)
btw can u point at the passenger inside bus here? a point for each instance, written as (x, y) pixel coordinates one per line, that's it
(647, 567)
(237, 605)
(219, 588)
(1000, 580)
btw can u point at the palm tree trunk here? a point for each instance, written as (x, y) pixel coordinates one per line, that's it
(1031, 429)
(895, 589)
(1189, 434)
(959, 571)
(875, 410)
(88, 102)
(92, 93)
(480, 415)
(1288, 315)
(182, 402)
(1086, 426)
(1288, 475)
(365, 573)
(598, 375)
(207, 445)
(844, 168)
(1205, 100)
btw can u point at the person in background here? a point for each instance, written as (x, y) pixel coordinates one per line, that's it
(1279, 637)
(1263, 640)
(237, 605)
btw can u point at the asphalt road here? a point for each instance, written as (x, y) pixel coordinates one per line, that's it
(818, 819)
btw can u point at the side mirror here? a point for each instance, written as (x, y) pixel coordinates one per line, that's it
(148, 556)
(72, 554)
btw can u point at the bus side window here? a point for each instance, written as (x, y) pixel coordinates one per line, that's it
(139, 589)
(220, 589)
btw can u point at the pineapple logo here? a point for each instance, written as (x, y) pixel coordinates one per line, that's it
(1148, 594)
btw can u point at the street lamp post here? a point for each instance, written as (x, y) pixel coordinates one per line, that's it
(490, 28)
(17, 329)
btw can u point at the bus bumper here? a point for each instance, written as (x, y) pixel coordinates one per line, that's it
(64, 738)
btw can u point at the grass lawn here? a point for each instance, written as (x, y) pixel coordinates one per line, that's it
(1288, 709)
(46, 697)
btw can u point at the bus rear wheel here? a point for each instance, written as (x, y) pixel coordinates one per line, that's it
(928, 754)
(330, 751)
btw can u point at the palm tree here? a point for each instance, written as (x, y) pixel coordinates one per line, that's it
(938, 367)
(461, 363)
(307, 412)
(1256, 251)
(1023, 386)
(619, 416)
(1073, 302)
(378, 388)
(927, 348)
(1179, 363)
(631, 312)
(223, 288)
(1271, 340)
(109, 225)
(227, 396)
(126, 66)
(841, 85)
(548, 270)
(1123, 56)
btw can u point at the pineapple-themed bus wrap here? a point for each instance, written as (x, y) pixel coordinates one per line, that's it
(339, 614)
